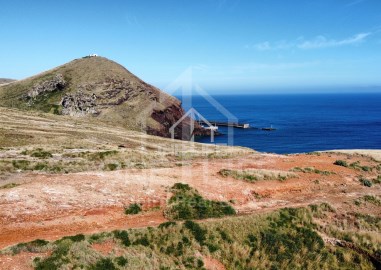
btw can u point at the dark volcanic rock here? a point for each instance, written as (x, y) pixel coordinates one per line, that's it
(79, 104)
(56, 84)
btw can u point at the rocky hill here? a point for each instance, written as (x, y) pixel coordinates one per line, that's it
(98, 87)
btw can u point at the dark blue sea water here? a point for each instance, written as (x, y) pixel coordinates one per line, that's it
(303, 122)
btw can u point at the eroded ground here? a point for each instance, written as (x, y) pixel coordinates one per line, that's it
(52, 206)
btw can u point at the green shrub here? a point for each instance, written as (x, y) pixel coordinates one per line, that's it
(57, 258)
(181, 186)
(40, 167)
(366, 168)
(104, 264)
(121, 261)
(101, 155)
(123, 237)
(357, 202)
(55, 169)
(372, 199)
(39, 243)
(365, 182)
(341, 163)
(133, 209)
(327, 207)
(75, 238)
(33, 246)
(212, 247)
(167, 224)
(40, 153)
(356, 165)
(21, 164)
(186, 203)
(142, 241)
(200, 263)
(284, 239)
(225, 236)
(198, 233)
(111, 166)
(98, 237)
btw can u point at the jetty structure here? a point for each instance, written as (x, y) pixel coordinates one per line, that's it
(225, 124)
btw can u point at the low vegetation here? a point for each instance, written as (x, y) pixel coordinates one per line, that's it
(355, 165)
(286, 239)
(377, 180)
(133, 209)
(48, 143)
(40, 153)
(375, 200)
(257, 175)
(311, 170)
(341, 163)
(10, 185)
(314, 153)
(365, 182)
(187, 203)
(21, 164)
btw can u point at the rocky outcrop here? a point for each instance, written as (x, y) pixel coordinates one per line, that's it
(111, 92)
(114, 92)
(79, 104)
(169, 117)
(58, 83)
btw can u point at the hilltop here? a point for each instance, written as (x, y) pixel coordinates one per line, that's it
(101, 88)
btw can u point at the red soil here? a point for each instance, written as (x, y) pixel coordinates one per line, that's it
(52, 206)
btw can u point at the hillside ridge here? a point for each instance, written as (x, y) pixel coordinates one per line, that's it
(99, 87)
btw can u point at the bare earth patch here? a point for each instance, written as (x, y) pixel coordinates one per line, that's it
(52, 206)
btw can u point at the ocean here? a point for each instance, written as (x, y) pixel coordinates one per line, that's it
(303, 122)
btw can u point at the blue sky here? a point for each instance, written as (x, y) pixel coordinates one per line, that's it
(232, 45)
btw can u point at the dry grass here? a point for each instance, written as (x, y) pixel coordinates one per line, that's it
(31, 141)
(375, 154)
(258, 175)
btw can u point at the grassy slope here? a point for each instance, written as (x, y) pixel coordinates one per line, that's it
(77, 144)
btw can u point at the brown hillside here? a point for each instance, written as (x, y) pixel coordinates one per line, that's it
(98, 87)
